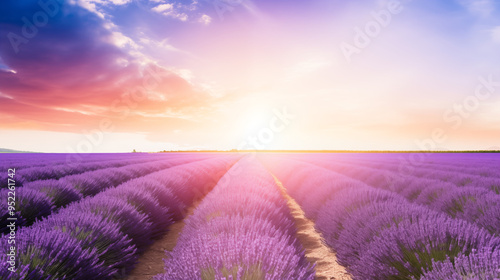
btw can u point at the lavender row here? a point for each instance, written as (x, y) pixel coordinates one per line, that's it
(438, 166)
(381, 176)
(100, 237)
(385, 174)
(474, 204)
(61, 170)
(380, 235)
(28, 160)
(471, 203)
(242, 230)
(460, 169)
(39, 199)
(482, 164)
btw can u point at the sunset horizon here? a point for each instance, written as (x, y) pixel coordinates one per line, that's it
(86, 76)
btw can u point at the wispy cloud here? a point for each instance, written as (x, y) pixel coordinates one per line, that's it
(163, 8)
(481, 8)
(495, 34)
(178, 10)
(79, 69)
(169, 11)
(120, 2)
(205, 19)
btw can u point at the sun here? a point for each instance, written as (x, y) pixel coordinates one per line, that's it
(255, 120)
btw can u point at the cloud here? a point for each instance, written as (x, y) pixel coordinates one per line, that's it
(163, 7)
(480, 8)
(495, 34)
(179, 10)
(92, 3)
(120, 2)
(75, 71)
(205, 19)
(169, 11)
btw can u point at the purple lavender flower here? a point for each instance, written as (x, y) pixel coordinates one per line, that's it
(112, 246)
(409, 248)
(144, 203)
(52, 254)
(476, 205)
(134, 224)
(248, 254)
(59, 192)
(362, 226)
(165, 196)
(479, 264)
(241, 230)
(30, 204)
(337, 210)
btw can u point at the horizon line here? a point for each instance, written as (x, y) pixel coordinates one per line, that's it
(276, 151)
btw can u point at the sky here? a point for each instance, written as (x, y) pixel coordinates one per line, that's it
(112, 76)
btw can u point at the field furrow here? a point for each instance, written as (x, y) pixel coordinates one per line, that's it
(263, 216)
(243, 229)
(107, 232)
(326, 265)
(39, 199)
(375, 233)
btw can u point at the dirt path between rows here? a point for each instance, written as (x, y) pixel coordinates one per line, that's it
(150, 263)
(317, 252)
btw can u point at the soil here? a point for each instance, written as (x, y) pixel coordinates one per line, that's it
(315, 248)
(150, 263)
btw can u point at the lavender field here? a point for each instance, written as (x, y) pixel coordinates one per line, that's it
(232, 216)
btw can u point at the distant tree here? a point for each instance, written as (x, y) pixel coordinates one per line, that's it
(134, 151)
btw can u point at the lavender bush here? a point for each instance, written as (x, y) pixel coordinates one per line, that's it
(479, 264)
(241, 230)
